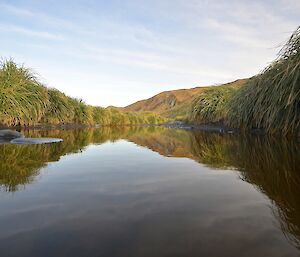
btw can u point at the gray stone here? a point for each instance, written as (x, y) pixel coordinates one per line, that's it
(10, 134)
(28, 141)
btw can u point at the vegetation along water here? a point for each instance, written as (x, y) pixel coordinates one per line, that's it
(268, 101)
(82, 180)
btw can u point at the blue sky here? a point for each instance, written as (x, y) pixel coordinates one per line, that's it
(117, 52)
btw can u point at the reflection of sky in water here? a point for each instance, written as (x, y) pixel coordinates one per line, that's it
(120, 199)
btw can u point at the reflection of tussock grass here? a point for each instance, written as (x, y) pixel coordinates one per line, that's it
(212, 149)
(276, 173)
(270, 164)
(21, 163)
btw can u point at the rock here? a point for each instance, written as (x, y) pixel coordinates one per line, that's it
(4, 140)
(28, 141)
(6, 134)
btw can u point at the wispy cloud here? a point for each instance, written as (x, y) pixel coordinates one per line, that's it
(172, 42)
(153, 61)
(8, 28)
(15, 10)
(39, 16)
(245, 23)
(241, 35)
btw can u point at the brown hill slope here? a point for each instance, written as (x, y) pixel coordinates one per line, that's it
(164, 100)
(167, 101)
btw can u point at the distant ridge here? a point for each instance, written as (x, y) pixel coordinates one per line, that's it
(168, 100)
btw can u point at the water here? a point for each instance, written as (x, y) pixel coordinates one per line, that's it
(150, 191)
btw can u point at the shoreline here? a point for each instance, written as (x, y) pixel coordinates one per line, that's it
(208, 127)
(212, 127)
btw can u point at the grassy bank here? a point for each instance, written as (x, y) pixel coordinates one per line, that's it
(268, 101)
(271, 100)
(210, 106)
(24, 101)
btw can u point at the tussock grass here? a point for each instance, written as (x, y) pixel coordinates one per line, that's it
(270, 100)
(210, 106)
(59, 110)
(24, 101)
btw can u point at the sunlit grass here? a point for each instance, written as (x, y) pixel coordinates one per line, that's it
(211, 105)
(270, 100)
(24, 101)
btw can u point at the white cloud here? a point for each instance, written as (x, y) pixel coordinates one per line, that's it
(8, 28)
(15, 10)
(39, 16)
(175, 42)
(242, 35)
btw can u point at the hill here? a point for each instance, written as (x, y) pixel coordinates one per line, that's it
(164, 100)
(175, 103)
(268, 101)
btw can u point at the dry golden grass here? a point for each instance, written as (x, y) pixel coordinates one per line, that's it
(271, 100)
(24, 101)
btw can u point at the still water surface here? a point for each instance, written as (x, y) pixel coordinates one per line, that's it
(150, 191)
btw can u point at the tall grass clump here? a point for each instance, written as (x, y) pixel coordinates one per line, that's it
(271, 100)
(210, 106)
(83, 112)
(60, 109)
(101, 115)
(23, 100)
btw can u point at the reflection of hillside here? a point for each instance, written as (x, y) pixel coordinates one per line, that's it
(167, 142)
(271, 165)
